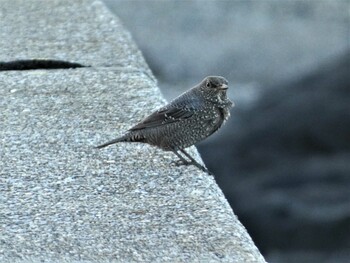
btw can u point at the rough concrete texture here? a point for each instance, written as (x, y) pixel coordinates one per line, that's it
(63, 201)
(80, 31)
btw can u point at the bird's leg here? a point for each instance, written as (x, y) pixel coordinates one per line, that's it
(194, 162)
(182, 160)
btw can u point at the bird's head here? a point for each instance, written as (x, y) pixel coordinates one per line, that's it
(214, 83)
(214, 86)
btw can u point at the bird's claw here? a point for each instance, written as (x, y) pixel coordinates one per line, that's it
(180, 163)
(187, 163)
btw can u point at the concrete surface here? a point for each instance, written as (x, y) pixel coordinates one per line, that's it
(63, 201)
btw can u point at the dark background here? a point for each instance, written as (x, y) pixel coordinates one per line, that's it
(283, 159)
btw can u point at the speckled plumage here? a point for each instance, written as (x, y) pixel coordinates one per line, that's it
(188, 119)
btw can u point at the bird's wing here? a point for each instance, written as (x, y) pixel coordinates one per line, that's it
(164, 116)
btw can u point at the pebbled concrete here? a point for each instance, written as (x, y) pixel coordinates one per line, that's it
(63, 201)
(81, 31)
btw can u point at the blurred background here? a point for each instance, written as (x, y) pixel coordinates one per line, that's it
(283, 159)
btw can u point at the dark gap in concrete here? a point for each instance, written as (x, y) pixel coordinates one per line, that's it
(32, 64)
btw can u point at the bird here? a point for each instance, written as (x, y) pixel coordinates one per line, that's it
(185, 121)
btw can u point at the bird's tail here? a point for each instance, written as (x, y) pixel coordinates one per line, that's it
(120, 139)
(129, 137)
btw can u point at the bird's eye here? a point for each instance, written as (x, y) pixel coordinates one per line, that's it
(208, 84)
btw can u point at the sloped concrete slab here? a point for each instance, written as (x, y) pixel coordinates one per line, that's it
(61, 200)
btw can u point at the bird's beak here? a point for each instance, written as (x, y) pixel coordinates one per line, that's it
(223, 87)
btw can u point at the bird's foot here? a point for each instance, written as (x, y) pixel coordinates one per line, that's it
(187, 163)
(192, 161)
(180, 162)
